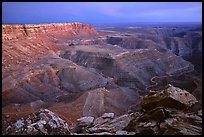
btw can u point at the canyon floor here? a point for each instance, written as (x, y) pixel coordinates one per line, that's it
(73, 70)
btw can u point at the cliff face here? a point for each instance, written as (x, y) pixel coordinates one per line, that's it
(129, 68)
(185, 46)
(22, 43)
(11, 32)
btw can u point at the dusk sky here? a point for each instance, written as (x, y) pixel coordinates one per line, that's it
(101, 12)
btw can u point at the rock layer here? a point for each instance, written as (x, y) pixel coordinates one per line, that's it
(21, 44)
(14, 32)
(160, 119)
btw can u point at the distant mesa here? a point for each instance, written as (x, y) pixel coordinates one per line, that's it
(18, 31)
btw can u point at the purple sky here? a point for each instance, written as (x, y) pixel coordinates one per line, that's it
(101, 12)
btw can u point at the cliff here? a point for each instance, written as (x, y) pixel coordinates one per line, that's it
(10, 32)
(22, 43)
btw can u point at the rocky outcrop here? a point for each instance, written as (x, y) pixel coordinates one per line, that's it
(171, 97)
(132, 42)
(56, 79)
(18, 31)
(169, 112)
(159, 119)
(21, 44)
(53, 81)
(104, 125)
(130, 68)
(182, 42)
(44, 122)
(85, 121)
(186, 46)
(108, 115)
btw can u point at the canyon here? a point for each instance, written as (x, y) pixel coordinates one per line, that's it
(72, 70)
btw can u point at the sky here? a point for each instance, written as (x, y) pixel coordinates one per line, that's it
(100, 12)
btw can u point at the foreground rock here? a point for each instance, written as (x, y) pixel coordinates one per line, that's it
(104, 125)
(171, 97)
(108, 115)
(85, 121)
(166, 112)
(156, 117)
(43, 122)
(169, 112)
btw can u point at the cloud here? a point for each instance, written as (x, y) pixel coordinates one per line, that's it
(102, 11)
(167, 12)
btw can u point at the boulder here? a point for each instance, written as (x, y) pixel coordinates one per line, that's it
(98, 130)
(108, 115)
(103, 124)
(158, 119)
(163, 113)
(85, 121)
(100, 121)
(103, 133)
(43, 122)
(121, 132)
(118, 123)
(172, 97)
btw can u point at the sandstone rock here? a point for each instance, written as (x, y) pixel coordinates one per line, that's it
(20, 123)
(157, 114)
(43, 122)
(200, 113)
(120, 122)
(150, 124)
(100, 121)
(121, 132)
(37, 104)
(171, 97)
(182, 96)
(108, 115)
(102, 125)
(131, 133)
(85, 121)
(11, 32)
(179, 123)
(170, 121)
(98, 130)
(103, 133)
(162, 119)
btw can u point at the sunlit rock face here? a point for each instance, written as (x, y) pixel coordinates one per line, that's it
(22, 43)
(15, 32)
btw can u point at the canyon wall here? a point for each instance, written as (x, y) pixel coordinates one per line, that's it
(10, 32)
(22, 43)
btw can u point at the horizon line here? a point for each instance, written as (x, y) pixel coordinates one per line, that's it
(102, 22)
